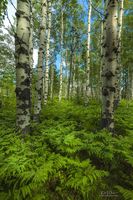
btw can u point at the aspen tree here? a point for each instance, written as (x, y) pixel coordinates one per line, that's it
(22, 47)
(120, 16)
(61, 64)
(70, 75)
(110, 49)
(52, 82)
(130, 81)
(102, 56)
(118, 70)
(103, 35)
(71, 65)
(67, 75)
(46, 79)
(39, 85)
(78, 80)
(31, 50)
(73, 90)
(88, 53)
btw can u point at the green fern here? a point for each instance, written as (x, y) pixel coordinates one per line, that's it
(127, 194)
(66, 156)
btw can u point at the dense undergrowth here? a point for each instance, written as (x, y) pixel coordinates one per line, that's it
(67, 156)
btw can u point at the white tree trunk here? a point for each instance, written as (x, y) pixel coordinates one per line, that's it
(61, 64)
(22, 40)
(39, 85)
(31, 51)
(88, 90)
(110, 49)
(120, 16)
(131, 88)
(118, 71)
(67, 74)
(130, 82)
(102, 57)
(52, 82)
(46, 79)
(73, 78)
(70, 76)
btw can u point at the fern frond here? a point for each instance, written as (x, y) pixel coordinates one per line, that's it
(127, 194)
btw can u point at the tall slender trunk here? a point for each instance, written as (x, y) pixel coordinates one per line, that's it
(78, 81)
(118, 70)
(120, 16)
(39, 85)
(22, 40)
(72, 69)
(131, 88)
(46, 79)
(31, 51)
(70, 75)
(102, 57)
(88, 53)
(130, 81)
(110, 49)
(67, 75)
(51, 82)
(61, 64)
(73, 78)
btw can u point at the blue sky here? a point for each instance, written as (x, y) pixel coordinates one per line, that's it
(11, 13)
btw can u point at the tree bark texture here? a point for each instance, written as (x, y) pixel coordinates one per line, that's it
(22, 54)
(130, 82)
(46, 79)
(31, 51)
(61, 64)
(39, 85)
(118, 71)
(102, 57)
(88, 53)
(70, 76)
(110, 49)
(51, 82)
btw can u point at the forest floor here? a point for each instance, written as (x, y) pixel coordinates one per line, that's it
(67, 155)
